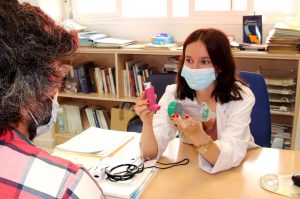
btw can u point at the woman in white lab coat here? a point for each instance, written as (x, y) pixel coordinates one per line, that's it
(207, 77)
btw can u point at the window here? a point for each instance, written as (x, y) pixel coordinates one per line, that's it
(223, 5)
(206, 11)
(180, 8)
(211, 5)
(95, 6)
(286, 7)
(144, 8)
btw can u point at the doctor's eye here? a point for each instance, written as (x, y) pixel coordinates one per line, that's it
(188, 60)
(205, 61)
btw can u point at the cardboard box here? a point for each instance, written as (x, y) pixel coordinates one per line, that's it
(120, 118)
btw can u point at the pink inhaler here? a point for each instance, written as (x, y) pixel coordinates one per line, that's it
(150, 95)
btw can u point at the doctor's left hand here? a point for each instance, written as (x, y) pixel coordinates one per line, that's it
(190, 128)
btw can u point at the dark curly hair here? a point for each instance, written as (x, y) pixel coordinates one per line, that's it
(31, 49)
(219, 51)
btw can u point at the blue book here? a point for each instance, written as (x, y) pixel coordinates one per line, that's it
(252, 29)
(82, 77)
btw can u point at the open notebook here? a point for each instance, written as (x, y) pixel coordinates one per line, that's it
(131, 188)
(96, 141)
(89, 149)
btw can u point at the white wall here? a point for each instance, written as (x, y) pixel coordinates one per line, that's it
(143, 31)
(54, 8)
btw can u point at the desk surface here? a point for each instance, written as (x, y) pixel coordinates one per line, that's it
(190, 181)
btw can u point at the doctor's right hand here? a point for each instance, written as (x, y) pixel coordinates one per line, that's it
(142, 110)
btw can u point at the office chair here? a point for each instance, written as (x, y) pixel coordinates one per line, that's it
(260, 125)
(160, 81)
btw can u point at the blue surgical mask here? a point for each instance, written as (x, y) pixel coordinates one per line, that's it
(198, 79)
(42, 129)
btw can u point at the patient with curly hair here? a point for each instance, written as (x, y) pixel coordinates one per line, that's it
(32, 47)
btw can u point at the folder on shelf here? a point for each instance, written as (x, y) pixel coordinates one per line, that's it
(96, 141)
(120, 118)
(112, 42)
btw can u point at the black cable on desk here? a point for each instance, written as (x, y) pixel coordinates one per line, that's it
(130, 170)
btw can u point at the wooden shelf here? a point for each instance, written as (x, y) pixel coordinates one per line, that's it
(282, 113)
(129, 51)
(264, 55)
(96, 96)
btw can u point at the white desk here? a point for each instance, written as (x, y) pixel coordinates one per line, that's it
(242, 182)
(189, 181)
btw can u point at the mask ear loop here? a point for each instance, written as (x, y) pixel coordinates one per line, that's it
(32, 117)
(54, 97)
(32, 114)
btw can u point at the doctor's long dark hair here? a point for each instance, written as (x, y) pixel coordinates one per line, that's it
(219, 51)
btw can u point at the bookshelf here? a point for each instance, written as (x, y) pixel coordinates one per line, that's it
(248, 61)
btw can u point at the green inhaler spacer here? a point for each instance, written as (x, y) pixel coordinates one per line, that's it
(197, 112)
(183, 109)
(175, 108)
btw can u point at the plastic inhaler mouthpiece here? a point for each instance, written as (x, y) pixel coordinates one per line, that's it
(150, 95)
(175, 108)
(193, 110)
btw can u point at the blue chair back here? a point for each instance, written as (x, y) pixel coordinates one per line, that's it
(260, 125)
(160, 81)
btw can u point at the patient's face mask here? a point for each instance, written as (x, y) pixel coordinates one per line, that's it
(42, 129)
(198, 79)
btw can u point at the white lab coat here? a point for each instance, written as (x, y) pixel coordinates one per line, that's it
(233, 119)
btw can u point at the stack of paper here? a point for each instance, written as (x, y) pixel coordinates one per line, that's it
(96, 141)
(284, 38)
(112, 42)
(88, 38)
(131, 188)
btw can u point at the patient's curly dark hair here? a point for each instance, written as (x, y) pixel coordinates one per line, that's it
(31, 48)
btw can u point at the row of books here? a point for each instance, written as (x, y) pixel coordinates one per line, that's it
(97, 117)
(87, 78)
(69, 119)
(73, 118)
(134, 75)
(126, 106)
